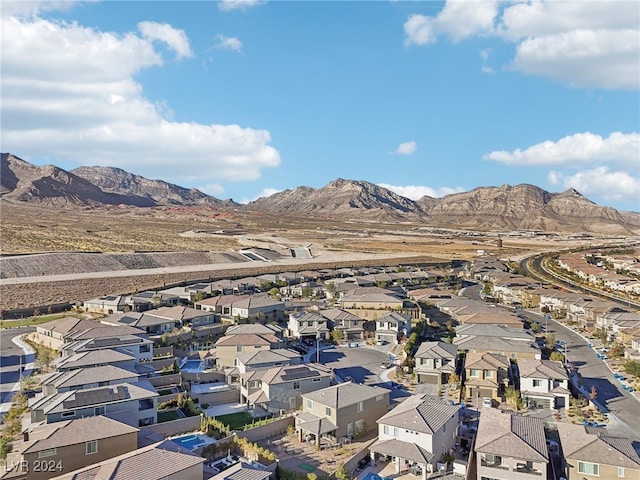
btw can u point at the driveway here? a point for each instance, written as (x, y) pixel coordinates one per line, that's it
(14, 355)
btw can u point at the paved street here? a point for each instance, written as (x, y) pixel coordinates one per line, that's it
(596, 372)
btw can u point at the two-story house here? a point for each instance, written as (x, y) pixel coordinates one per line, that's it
(435, 362)
(230, 346)
(543, 383)
(510, 446)
(164, 460)
(308, 325)
(135, 399)
(487, 338)
(84, 378)
(351, 326)
(345, 410)
(391, 327)
(416, 434)
(52, 334)
(69, 445)
(281, 388)
(96, 358)
(590, 455)
(486, 375)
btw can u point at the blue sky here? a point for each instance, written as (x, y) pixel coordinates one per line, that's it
(243, 98)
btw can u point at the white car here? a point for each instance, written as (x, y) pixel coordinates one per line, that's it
(486, 402)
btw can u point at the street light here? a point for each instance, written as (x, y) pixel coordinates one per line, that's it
(318, 347)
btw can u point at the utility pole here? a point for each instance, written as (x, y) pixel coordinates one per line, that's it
(318, 347)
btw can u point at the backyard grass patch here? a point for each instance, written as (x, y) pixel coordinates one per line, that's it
(168, 416)
(236, 421)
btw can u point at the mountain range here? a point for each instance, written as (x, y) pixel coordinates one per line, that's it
(519, 207)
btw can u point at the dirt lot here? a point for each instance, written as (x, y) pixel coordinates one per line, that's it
(28, 229)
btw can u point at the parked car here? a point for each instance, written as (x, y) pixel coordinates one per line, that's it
(487, 402)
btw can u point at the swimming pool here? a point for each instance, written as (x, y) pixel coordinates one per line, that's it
(192, 366)
(193, 441)
(375, 476)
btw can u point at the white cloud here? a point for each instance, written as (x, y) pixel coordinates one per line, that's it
(406, 148)
(584, 58)
(600, 182)
(228, 5)
(582, 43)
(174, 39)
(228, 43)
(69, 93)
(458, 19)
(213, 189)
(578, 149)
(267, 192)
(415, 192)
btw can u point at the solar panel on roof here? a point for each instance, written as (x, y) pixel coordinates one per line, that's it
(302, 372)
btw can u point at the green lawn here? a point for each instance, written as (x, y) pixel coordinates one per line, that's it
(235, 421)
(168, 416)
(31, 321)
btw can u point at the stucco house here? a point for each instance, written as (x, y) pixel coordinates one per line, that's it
(391, 327)
(543, 383)
(416, 434)
(435, 362)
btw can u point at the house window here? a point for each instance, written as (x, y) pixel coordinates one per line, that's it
(350, 429)
(489, 373)
(396, 433)
(385, 429)
(359, 427)
(239, 348)
(537, 383)
(359, 406)
(72, 413)
(589, 468)
(492, 459)
(474, 373)
(309, 403)
(145, 348)
(327, 411)
(91, 447)
(316, 380)
(51, 452)
(296, 385)
(99, 410)
(620, 472)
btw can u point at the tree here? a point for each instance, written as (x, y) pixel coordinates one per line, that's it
(632, 367)
(5, 447)
(535, 328)
(617, 350)
(454, 379)
(342, 473)
(274, 292)
(556, 356)
(550, 341)
(513, 399)
(198, 296)
(337, 335)
(312, 476)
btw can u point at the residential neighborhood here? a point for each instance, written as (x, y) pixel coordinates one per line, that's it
(378, 372)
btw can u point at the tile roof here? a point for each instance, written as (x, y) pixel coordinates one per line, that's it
(242, 471)
(314, 424)
(103, 331)
(486, 361)
(578, 444)
(68, 324)
(495, 344)
(344, 394)
(511, 435)
(246, 340)
(155, 462)
(530, 368)
(80, 430)
(421, 413)
(267, 356)
(88, 375)
(437, 350)
(405, 450)
(251, 328)
(93, 357)
(287, 374)
(491, 330)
